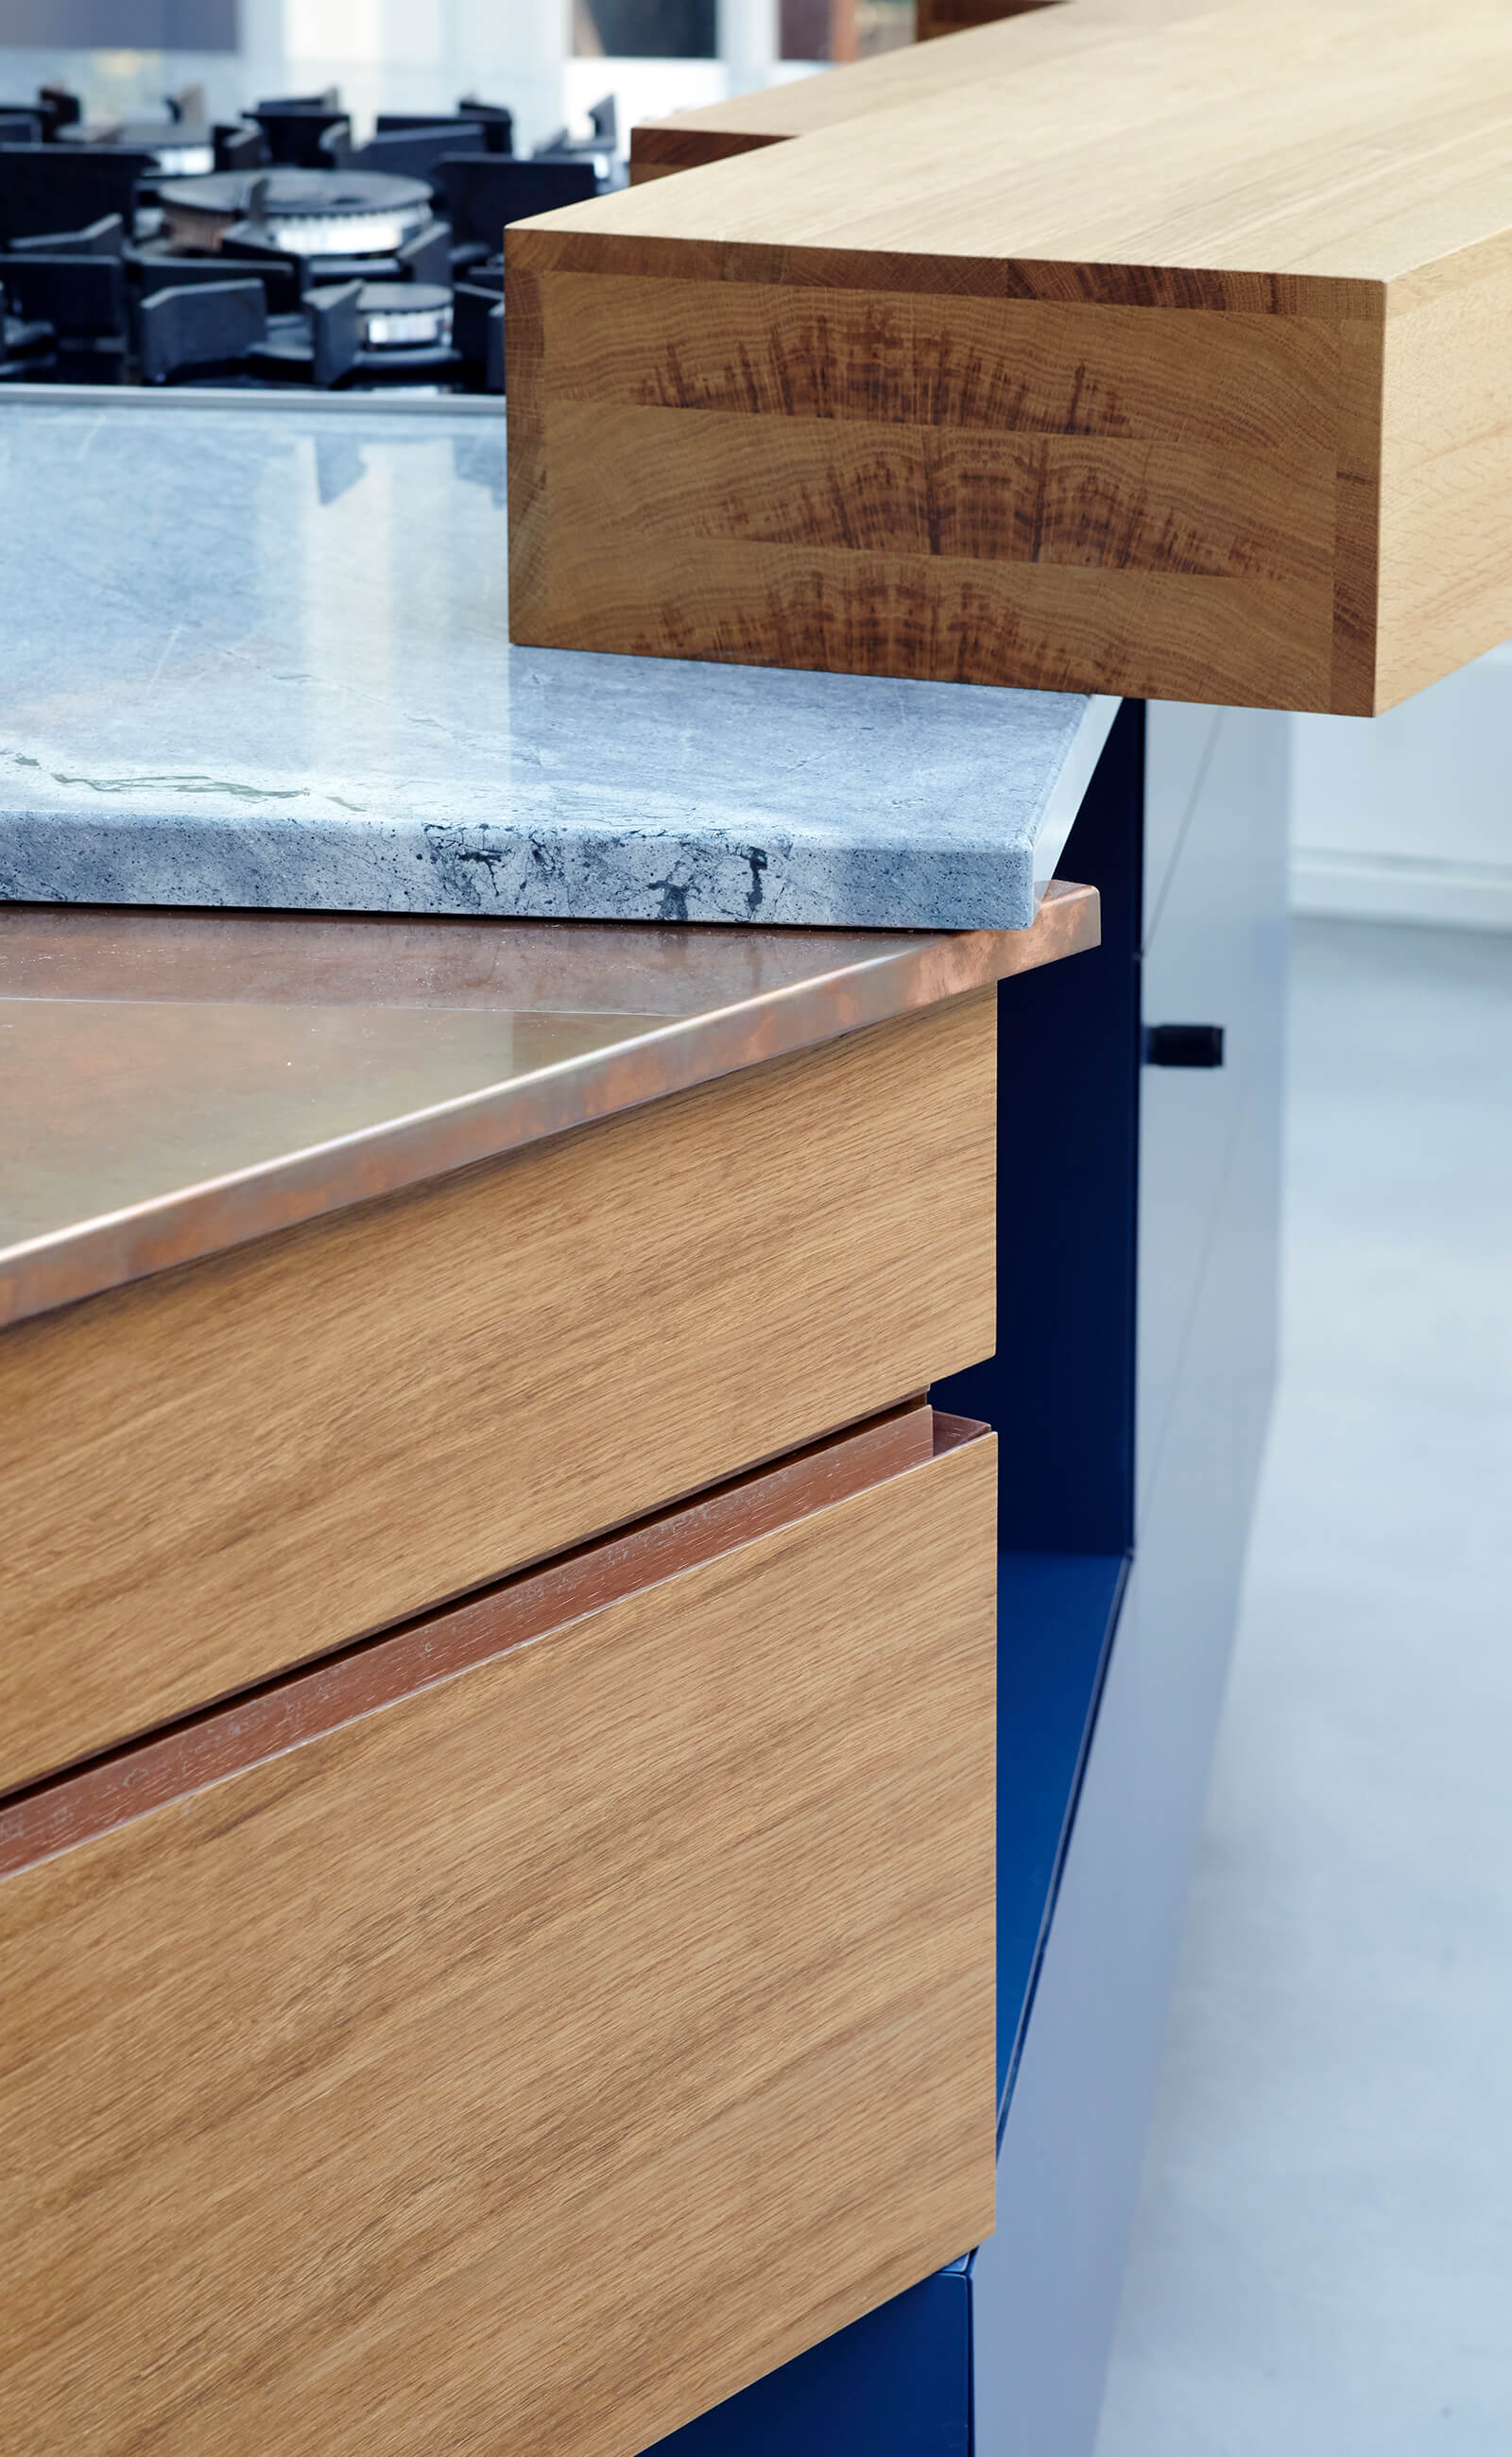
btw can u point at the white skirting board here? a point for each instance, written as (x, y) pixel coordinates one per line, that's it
(1366, 887)
(1408, 817)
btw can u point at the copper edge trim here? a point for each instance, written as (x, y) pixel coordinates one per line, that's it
(79, 1803)
(192, 1222)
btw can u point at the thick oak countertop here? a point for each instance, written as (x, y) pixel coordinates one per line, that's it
(1121, 346)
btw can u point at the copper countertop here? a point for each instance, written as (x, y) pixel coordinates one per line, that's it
(171, 1083)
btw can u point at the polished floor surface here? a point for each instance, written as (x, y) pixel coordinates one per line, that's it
(1322, 2262)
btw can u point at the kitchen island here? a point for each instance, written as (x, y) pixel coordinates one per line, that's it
(465, 1833)
(444, 1338)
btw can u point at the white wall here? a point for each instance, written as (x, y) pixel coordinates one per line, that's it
(416, 55)
(412, 54)
(649, 88)
(124, 84)
(1408, 817)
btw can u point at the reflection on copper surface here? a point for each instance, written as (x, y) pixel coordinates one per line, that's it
(171, 1083)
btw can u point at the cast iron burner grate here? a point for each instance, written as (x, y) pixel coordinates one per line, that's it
(295, 261)
(302, 212)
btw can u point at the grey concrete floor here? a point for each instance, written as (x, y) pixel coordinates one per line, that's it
(1322, 2262)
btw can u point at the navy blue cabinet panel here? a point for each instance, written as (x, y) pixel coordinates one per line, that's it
(897, 2383)
(1056, 1613)
(1059, 1391)
(1216, 956)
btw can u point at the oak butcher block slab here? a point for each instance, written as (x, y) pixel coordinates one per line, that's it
(1167, 358)
(518, 2034)
(806, 106)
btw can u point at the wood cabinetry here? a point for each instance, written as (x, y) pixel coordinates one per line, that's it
(224, 1470)
(383, 2054)
(498, 1688)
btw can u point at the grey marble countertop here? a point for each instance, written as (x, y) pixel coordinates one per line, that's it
(257, 655)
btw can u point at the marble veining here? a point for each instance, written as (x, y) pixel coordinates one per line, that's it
(261, 658)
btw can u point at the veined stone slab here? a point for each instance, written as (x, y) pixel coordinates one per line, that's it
(257, 655)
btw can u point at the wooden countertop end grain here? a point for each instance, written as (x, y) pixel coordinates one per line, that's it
(1138, 349)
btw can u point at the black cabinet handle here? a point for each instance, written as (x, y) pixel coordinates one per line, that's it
(1183, 1044)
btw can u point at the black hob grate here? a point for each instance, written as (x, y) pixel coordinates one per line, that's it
(272, 252)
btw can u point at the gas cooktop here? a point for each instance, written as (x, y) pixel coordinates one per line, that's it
(271, 251)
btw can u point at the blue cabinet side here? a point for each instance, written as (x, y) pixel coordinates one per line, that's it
(1056, 1613)
(1059, 1391)
(895, 2384)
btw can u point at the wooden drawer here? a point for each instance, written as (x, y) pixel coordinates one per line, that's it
(525, 2030)
(221, 1472)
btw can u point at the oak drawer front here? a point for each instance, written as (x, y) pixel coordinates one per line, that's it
(527, 2064)
(225, 1471)
(1213, 955)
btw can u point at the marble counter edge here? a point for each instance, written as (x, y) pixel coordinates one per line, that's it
(555, 868)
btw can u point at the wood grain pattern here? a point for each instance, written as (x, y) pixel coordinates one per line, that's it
(1356, 515)
(1446, 532)
(226, 1470)
(808, 105)
(927, 477)
(526, 2066)
(71, 1809)
(1075, 224)
(998, 367)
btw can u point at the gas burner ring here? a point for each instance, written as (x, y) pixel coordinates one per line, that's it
(184, 161)
(404, 315)
(301, 213)
(343, 233)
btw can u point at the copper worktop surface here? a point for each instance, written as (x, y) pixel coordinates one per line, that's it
(175, 1082)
